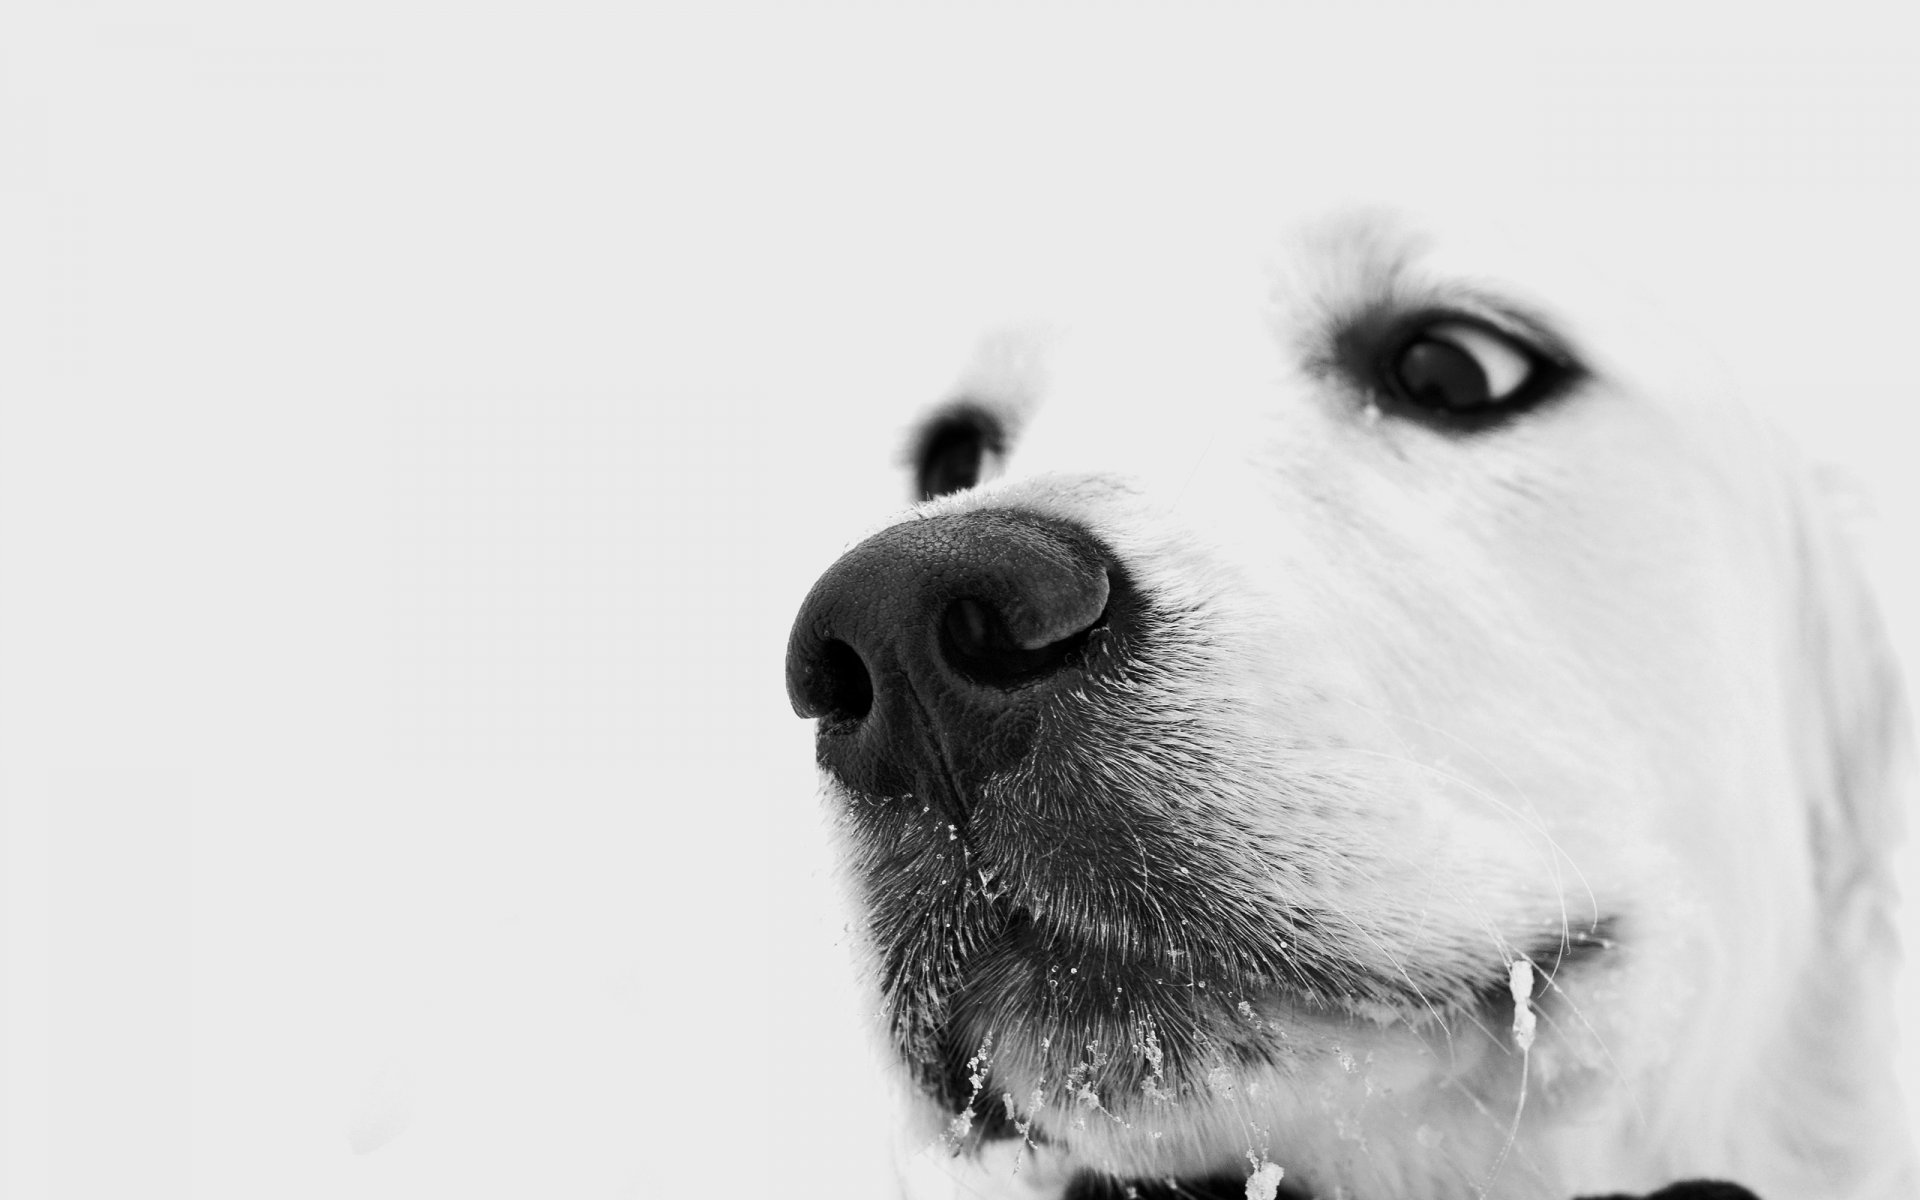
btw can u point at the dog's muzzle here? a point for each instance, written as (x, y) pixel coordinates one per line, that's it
(930, 650)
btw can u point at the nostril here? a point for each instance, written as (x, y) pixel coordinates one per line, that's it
(975, 630)
(977, 642)
(848, 687)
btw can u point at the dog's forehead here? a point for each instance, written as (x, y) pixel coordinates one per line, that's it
(1219, 318)
(1207, 342)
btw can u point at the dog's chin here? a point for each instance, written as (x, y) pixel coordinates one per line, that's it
(1147, 1068)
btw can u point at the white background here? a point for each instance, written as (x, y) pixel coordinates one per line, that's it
(419, 422)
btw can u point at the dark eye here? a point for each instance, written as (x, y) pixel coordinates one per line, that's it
(955, 453)
(1464, 367)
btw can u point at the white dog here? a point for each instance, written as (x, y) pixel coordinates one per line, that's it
(1388, 731)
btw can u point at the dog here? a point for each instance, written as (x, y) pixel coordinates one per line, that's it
(1381, 724)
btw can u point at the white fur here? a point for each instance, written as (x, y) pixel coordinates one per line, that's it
(1608, 660)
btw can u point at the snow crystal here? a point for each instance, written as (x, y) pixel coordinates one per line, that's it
(1264, 1183)
(1154, 1084)
(962, 1123)
(1520, 983)
(1150, 1046)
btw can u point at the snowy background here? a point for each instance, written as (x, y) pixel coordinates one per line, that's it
(419, 422)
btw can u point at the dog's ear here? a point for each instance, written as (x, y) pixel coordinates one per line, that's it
(1854, 729)
(1853, 743)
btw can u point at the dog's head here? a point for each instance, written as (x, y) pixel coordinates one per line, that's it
(1373, 723)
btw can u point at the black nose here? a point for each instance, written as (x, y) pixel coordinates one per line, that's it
(929, 647)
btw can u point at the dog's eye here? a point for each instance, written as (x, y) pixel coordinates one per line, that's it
(955, 453)
(1460, 367)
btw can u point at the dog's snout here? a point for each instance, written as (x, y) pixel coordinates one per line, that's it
(927, 646)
